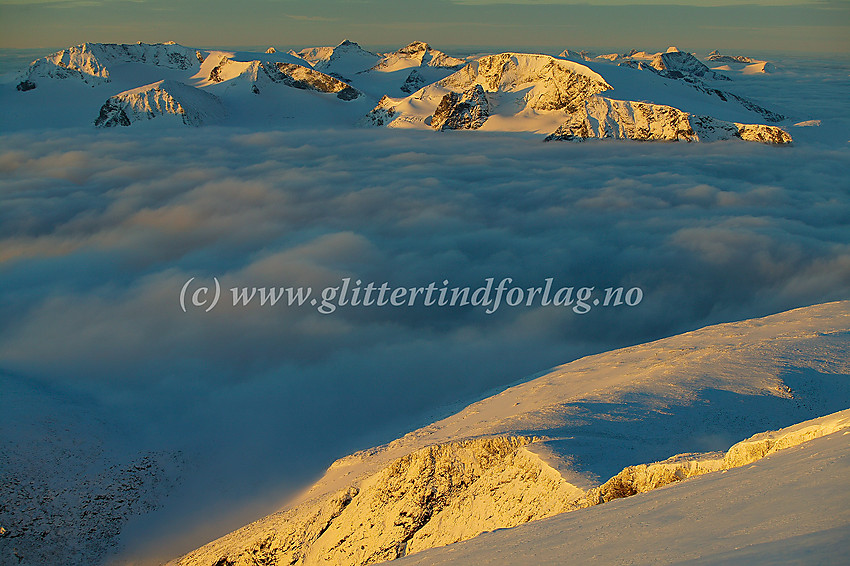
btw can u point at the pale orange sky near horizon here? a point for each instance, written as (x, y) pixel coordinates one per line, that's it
(787, 25)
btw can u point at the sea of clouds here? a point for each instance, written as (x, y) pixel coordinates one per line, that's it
(99, 231)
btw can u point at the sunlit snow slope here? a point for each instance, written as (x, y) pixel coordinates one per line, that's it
(572, 438)
(793, 507)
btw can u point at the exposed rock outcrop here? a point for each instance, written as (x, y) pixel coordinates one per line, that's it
(602, 118)
(380, 115)
(466, 111)
(452, 492)
(413, 82)
(432, 497)
(675, 64)
(261, 73)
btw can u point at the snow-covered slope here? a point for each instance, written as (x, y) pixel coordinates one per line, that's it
(559, 97)
(416, 54)
(792, 507)
(68, 484)
(550, 444)
(521, 92)
(740, 63)
(256, 75)
(69, 88)
(344, 60)
(171, 99)
(576, 55)
(91, 62)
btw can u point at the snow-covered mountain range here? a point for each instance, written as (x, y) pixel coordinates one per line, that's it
(670, 95)
(592, 431)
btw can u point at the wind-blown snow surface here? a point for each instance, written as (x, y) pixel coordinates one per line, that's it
(789, 508)
(100, 229)
(536, 449)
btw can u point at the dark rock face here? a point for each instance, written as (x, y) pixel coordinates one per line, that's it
(382, 114)
(718, 58)
(215, 74)
(414, 82)
(414, 47)
(467, 111)
(303, 78)
(686, 64)
(675, 65)
(112, 114)
(294, 76)
(24, 86)
(348, 93)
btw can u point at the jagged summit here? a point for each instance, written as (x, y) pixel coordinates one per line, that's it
(414, 47)
(674, 63)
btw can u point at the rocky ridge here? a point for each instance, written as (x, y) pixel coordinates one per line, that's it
(604, 118)
(453, 492)
(89, 62)
(258, 74)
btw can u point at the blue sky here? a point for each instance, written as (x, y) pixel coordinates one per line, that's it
(790, 25)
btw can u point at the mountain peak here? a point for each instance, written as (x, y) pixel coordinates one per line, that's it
(415, 47)
(417, 54)
(166, 98)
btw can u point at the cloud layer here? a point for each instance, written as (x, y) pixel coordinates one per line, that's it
(99, 232)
